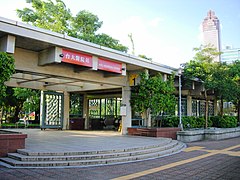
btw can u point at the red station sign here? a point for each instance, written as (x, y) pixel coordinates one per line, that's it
(77, 58)
(110, 66)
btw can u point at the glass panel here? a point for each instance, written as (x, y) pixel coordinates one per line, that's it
(202, 108)
(110, 107)
(76, 105)
(102, 108)
(211, 108)
(94, 108)
(184, 106)
(194, 107)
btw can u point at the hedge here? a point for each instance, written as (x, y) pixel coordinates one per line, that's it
(224, 122)
(199, 122)
(12, 125)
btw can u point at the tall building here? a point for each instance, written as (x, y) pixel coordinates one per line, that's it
(211, 31)
(230, 54)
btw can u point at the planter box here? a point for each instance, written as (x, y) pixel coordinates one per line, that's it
(223, 133)
(154, 132)
(208, 134)
(191, 136)
(11, 141)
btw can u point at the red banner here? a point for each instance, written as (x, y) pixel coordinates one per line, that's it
(74, 57)
(110, 66)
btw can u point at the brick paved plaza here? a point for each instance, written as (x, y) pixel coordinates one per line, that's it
(200, 160)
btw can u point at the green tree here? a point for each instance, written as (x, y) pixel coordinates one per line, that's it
(85, 24)
(222, 83)
(153, 96)
(48, 15)
(58, 18)
(108, 41)
(7, 68)
(29, 97)
(235, 88)
(144, 57)
(21, 99)
(132, 42)
(202, 67)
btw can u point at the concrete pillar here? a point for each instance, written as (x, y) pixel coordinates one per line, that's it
(7, 44)
(85, 111)
(41, 109)
(66, 109)
(189, 105)
(164, 77)
(126, 117)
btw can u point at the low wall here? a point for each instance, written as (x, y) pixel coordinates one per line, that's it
(153, 132)
(208, 134)
(11, 141)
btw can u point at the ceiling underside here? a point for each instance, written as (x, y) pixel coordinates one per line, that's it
(53, 82)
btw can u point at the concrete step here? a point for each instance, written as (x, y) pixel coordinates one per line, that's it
(147, 150)
(20, 160)
(27, 152)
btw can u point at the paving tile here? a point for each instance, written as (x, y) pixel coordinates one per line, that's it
(219, 166)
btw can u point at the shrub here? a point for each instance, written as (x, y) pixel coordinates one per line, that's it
(33, 125)
(170, 121)
(199, 122)
(216, 120)
(224, 122)
(11, 125)
(228, 122)
(187, 121)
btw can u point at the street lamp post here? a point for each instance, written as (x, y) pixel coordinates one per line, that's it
(180, 125)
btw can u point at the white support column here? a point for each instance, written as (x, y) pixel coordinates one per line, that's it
(127, 117)
(189, 105)
(66, 110)
(7, 44)
(41, 109)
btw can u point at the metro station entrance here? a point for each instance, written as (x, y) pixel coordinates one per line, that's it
(61, 66)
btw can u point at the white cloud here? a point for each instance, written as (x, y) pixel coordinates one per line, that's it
(200, 34)
(156, 21)
(145, 42)
(8, 10)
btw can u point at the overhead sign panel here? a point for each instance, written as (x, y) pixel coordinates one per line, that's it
(109, 66)
(77, 58)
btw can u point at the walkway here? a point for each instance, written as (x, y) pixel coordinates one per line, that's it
(60, 141)
(201, 160)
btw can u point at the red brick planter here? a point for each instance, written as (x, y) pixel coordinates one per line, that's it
(154, 132)
(10, 142)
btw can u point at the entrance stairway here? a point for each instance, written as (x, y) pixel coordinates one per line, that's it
(24, 158)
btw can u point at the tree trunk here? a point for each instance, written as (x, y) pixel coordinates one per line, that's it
(37, 116)
(149, 121)
(1, 116)
(238, 110)
(17, 110)
(144, 117)
(206, 110)
(221, 107)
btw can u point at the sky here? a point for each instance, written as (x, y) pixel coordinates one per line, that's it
(164, 30)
